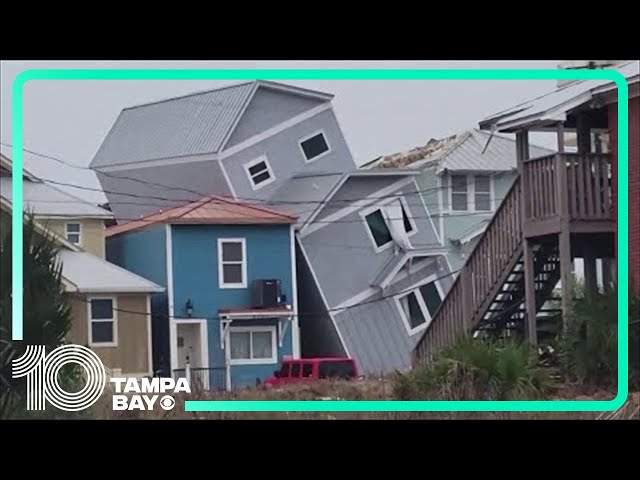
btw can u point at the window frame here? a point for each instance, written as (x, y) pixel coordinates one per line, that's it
(415, 290)
(221, 263)
(256, 361)
(114, 320)
(79, 232)
(471, 192)
(309, 137)
(247, 166)
(378, 206)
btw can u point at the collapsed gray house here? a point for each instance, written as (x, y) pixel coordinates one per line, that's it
(371, 268)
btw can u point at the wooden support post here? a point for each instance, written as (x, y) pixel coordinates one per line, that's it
(590, 271)
(467, 298)
(530, 293)
(566, 275)
(583, 134)
(560, 133)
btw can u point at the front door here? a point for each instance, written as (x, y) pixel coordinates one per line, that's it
(189, 350)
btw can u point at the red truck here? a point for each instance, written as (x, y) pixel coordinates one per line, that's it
(312, 369)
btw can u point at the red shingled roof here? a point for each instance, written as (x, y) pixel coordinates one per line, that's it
(212, 209)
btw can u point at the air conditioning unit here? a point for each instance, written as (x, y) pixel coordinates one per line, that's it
(266, 293)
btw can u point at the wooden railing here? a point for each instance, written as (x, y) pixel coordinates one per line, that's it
(567, 185)
(483, 273)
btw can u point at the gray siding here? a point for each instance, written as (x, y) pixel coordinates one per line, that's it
(343, 255)
(428, 185)
(318, 336)
(268, 108)
(286, 158)
(374, 332)
(160, 187)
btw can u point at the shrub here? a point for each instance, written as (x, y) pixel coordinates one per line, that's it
(474, 369)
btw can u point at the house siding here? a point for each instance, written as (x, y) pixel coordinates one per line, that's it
(268, 108)
(195, 277)
(286, 158)
(634, 184)
(143, 253)
(137, 192)
(428, 187)
(92, 233)
(131, 354)
(347, 243)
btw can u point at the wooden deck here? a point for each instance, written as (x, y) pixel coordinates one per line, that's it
(555, 196)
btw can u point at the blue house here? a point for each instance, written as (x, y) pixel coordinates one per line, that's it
(229, 314)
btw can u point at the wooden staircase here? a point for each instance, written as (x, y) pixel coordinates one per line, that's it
(558, 203)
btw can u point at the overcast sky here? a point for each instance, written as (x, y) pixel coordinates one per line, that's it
(69, 119)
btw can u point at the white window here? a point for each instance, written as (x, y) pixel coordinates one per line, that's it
(459, 200)
(377, 222)
(73, 232)
(418, 306)
(482, 193)
(259, 172)
(253, 345)
(103, 322)
(471, 193)
(232, 263)
(315, 146)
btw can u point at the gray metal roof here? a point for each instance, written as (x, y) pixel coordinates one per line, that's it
(552, 107)
(91, 274)
(303, 194)
(47, 201)
(193, 124)
(459, 152)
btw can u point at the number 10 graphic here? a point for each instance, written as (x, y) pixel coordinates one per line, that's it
(42, 370)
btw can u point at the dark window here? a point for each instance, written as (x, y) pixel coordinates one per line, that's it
(101, 332)
(102, 309)
(307, 370)
(431, 297)
(336, 369)
(232, 263)
(284, 371)
(378, 228)
(412, 310)
(314, 146)
(459, 192)
(295, 370)
(407, 223)
(259, 173)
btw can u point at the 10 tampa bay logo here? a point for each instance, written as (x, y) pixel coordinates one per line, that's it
(41, 372)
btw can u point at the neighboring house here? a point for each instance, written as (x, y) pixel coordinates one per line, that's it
(371, 268)
(229, 311)
(74, 219)
(463, 179)
(242, 141)
(110, 305)
(561, 207)
(282, 146)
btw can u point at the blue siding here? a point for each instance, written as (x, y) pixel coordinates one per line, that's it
(144, 252)
(195, 277)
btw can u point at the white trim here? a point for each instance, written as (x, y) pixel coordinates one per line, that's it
(274, 130)
(471, 193)
(227, 179)
(252, 163)
(204, 340)
(415, 290)
(79, 232)
(254, 361)
(474, 233)
(221, 283)
(310, 227)
(309, 137)
(295, 330)
(114, 320)
(251, 141)
(324, 298)
(173, 354)
(378, 206)
(149, 338)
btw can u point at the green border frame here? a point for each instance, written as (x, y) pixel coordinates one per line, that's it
(358, 74)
